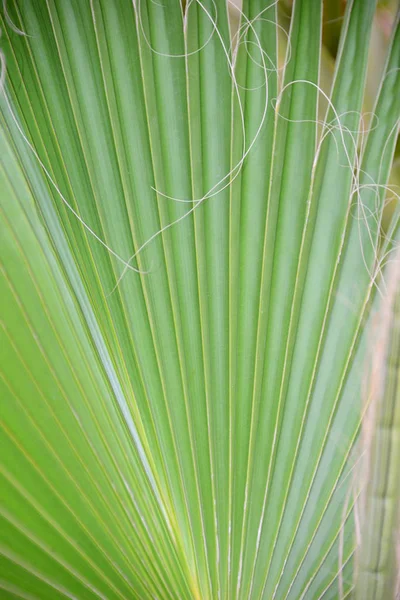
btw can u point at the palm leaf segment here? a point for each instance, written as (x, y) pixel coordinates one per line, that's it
(188, 256)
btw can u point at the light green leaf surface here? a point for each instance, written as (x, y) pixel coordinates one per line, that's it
(188, 262)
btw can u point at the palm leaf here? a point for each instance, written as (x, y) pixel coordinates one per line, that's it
(378, 506)
(189, 259)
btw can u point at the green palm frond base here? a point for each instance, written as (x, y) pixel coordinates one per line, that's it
(190, 253)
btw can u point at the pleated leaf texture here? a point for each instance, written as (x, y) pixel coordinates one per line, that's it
(189, 257)
(377, 510)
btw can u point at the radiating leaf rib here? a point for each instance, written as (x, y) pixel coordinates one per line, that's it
(256, 77)
(200, 376)
(19, 569)
(9, 590)
(195, 39)
(331, 578)
(209, 85)
(216, 164)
